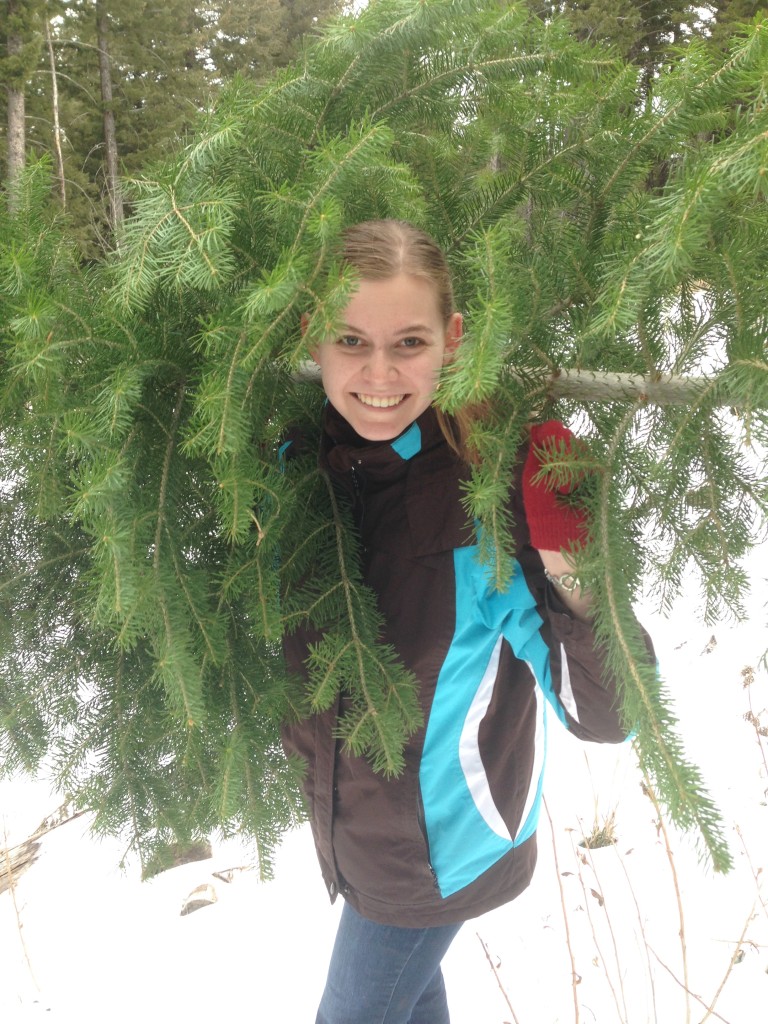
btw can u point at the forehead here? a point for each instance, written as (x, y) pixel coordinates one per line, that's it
(394, 301)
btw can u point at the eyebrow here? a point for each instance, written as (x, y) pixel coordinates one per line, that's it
(411, 329)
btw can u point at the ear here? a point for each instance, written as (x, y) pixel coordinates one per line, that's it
(453, 335)
(304, 326)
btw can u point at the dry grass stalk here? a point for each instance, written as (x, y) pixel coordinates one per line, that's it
(662, 828)
(599, 895)
(688, 993)
(755, 873)
(761, 730)
(641, 925)
(15, 862)
(601, 835)
(731, 963)
(10, 878)
(575, 977)
(493, 967)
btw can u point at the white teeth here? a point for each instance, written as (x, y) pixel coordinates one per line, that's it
(381, 401)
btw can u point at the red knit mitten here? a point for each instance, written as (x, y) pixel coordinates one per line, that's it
(553, 524)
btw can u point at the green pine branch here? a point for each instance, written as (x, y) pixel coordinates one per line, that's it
(596, 241)
(644, 703)
(382, 693)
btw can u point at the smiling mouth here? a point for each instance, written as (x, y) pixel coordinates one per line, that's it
(381, 401)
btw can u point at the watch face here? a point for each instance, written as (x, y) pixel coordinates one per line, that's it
(568, 581)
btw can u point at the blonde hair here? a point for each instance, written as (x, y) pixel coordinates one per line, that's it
(380, 249)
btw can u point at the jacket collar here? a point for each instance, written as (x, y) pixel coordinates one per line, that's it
(431, 516)
(343, 449)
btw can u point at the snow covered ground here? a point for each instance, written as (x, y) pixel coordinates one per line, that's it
(83, 941)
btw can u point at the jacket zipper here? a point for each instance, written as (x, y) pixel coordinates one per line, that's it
(423, 829)
(358, 487)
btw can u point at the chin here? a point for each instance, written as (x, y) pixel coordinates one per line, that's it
(386, 430)
(381, 433)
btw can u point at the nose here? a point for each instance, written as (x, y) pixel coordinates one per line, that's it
(379, 367)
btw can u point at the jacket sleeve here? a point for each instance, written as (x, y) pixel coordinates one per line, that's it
(582, 689)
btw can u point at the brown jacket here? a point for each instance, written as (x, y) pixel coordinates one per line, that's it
(454, 835)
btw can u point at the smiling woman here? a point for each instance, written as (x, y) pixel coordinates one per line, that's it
(453, 834)
(381, 374)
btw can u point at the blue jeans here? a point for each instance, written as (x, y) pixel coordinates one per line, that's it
(380, 974)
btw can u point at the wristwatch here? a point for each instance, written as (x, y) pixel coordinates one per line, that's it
(569, 582)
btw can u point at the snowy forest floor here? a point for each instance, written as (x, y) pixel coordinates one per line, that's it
(638, 932)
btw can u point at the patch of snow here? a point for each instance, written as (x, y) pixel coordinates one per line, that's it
(83, 940)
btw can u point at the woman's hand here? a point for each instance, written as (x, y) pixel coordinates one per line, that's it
(557, 526)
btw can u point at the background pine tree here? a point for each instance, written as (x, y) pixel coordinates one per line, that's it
(154, 550)
(167, 61)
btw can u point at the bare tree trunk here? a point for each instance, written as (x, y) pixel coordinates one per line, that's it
(16, 114)
(56, 124)
(602, 386)
(116, 214)
(16, 135)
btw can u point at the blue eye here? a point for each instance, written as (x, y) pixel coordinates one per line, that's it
(411, 342)
(349, 341)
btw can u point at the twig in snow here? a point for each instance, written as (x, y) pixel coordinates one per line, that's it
(755, 874)
(649, 792)
(645, 937)
(600, 896)
(17, 912)
(731, 962)
(496, 976)
(761, 731)
(575, 977)
(688, 992)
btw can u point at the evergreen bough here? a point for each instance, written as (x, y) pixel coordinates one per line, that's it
(153, 546)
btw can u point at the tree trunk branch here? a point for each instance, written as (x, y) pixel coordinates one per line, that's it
(604, 386)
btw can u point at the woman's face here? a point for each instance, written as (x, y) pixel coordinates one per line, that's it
(382, 371)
